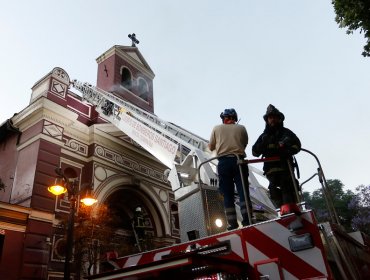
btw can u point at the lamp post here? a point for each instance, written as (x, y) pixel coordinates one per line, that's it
(67, 182)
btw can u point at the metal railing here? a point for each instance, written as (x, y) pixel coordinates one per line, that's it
(320, 173)
(245, 184)
(325, 189)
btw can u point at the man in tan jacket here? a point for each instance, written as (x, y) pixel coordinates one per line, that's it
(229, 140)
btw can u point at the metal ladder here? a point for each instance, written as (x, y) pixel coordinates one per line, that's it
(109, 103)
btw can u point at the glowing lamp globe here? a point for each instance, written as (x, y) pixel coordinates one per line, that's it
(57, 189)
(88, 201)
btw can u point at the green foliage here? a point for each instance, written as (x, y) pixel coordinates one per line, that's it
(340, 199)
(354, 15)
(353, 209)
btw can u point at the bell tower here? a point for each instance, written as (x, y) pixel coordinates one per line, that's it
(123, 71)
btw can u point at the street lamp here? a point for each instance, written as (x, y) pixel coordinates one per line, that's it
(67, 182)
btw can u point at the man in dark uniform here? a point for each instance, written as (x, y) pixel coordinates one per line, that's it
(276, 140)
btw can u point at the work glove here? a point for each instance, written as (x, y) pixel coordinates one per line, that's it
(283, 150)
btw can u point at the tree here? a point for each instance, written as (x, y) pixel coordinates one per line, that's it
(306, 196)
(90, 234)
(360, 203)
(340, 199)
(354, 14)
(95, 233)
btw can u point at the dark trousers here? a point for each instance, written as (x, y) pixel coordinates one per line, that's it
(229, 177)
(281, 188)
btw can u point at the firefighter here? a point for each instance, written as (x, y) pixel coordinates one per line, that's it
(229, 140)
(138, 226)
(276, 140)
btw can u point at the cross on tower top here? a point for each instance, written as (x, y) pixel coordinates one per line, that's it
(133, 39)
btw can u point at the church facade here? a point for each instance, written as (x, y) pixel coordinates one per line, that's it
(59, 130)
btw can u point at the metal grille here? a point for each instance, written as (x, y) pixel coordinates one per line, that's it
(199, 213)
(214, 208)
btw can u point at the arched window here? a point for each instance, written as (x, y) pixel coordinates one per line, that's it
(143, 89)
(126, 79)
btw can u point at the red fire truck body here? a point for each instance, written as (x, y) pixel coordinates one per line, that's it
(272, 249)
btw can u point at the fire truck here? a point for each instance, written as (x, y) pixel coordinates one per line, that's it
(289, 244)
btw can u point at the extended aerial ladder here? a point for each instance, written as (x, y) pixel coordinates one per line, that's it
(180, 150)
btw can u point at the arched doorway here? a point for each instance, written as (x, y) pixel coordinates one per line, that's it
(122, 205)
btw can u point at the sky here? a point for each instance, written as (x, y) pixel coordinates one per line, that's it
(209, 55)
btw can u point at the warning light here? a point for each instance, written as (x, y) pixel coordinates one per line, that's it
(218, 223)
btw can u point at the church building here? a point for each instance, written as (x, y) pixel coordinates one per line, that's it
(60, 130)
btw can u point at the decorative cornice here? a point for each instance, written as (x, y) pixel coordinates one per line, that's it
(41, 216)
(48, 108)
(77, 146)
(12, 227)
(14, 207)
(44, 109)
(128, 163)
(15, 217)
(99, 136)
(31, 109)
